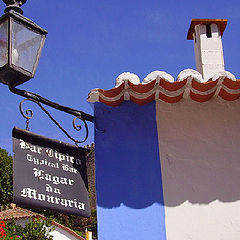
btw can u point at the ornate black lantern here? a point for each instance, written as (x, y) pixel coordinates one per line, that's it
(21, 43)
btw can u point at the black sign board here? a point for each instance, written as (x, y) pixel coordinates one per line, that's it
(49, 174)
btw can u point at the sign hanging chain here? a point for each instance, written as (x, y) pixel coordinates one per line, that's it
(27, 124)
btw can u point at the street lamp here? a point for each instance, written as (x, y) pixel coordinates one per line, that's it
(21, 43)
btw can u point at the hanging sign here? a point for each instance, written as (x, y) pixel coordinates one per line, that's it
(49, 174)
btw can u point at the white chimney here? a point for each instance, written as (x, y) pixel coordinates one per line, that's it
(207, 36)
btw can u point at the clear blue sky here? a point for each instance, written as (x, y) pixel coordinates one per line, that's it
(91, 42)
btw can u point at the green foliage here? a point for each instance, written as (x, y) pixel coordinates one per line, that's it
(6, 182)
(34, 229)
(37, 229)
(12, 230)
(77, 224)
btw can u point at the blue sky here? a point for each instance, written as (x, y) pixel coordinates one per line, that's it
(91, 42)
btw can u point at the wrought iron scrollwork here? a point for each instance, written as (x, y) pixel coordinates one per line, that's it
(79, 127)
(28, 114)
(37, 98)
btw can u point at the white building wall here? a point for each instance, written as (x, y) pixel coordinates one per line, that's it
(58, 233)
(200, 161)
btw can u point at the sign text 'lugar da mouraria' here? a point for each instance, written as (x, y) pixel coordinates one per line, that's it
(49, 174)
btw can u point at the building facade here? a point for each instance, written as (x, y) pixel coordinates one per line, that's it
(167, 154)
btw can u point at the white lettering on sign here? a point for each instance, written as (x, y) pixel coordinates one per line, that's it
(66, 168)
(33, 194)
(60, 157)
(31, 148)
(52, 189)
(50, 153)
(37, 161)
(48, 188)
(41, 175)
(55, 174)
(57, 190)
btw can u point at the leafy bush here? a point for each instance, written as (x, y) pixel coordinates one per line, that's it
(34, 229)
(6, 176)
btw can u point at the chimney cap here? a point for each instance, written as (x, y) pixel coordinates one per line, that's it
(222, 23)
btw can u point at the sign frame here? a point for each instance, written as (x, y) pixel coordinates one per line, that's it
(49, 174)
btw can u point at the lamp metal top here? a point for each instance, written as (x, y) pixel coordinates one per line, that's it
(14, 5)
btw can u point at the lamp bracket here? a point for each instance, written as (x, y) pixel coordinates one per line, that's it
(57, 106)
(28, 114)
(84, 117)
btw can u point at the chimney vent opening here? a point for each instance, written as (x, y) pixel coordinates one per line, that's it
(208, 31)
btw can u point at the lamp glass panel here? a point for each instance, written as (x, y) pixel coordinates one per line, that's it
(26, 46)
(3, 43)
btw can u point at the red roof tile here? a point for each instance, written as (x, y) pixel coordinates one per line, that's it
(157, 86)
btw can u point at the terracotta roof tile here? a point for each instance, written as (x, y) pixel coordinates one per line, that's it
(17, 213)
(160, 86)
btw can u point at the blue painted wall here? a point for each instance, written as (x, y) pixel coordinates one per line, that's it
(128, 174)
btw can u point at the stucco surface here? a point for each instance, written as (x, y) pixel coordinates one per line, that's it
(128, 175)
(200, 162)
(60, 234)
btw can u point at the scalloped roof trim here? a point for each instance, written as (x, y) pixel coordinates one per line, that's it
(159, 85)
